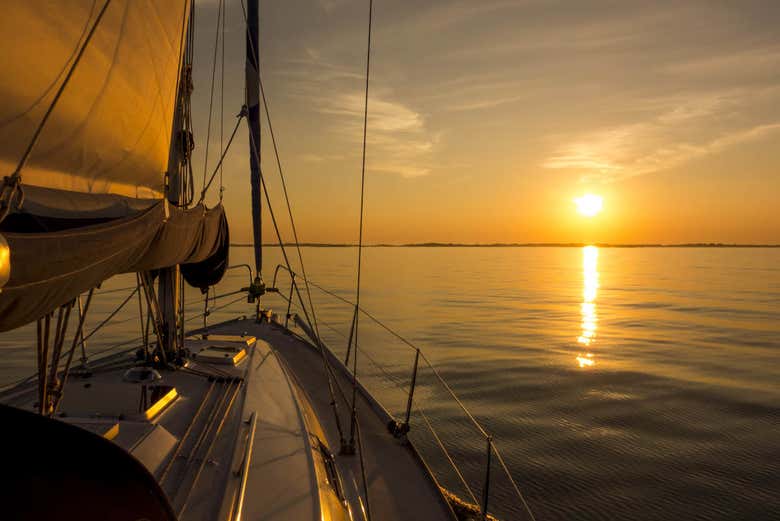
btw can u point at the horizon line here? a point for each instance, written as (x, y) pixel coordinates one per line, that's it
(519, 245)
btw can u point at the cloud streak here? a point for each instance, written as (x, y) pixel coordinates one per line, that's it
(683, 131)
(398, 138)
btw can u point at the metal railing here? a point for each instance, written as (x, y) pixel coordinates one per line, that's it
(407, 394)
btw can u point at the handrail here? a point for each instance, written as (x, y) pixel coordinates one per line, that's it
(247, 266)
(491, 446)
(245, 466)
(229, 294)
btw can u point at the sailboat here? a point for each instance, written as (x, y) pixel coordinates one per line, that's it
(251, 418)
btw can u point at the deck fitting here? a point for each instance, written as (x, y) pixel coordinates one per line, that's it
(347, 448)
(397, 429)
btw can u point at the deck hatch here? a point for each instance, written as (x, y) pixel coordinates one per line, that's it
(244, 339)
(221, 354)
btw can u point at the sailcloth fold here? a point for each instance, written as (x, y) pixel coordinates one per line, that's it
(51, 268)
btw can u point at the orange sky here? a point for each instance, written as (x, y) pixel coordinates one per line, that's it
(487, 118)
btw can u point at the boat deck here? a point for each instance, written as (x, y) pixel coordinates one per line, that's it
(399, 484)
(246, 430)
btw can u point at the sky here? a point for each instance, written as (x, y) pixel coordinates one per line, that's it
(487, 118)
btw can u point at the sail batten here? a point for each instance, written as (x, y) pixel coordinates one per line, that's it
(110, 129)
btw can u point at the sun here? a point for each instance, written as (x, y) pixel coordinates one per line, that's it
(589, 205)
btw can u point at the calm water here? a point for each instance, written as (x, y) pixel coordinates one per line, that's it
(618, 383)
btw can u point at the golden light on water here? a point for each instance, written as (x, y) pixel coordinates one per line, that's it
(586, 361)
(589, 205)
(590, 278)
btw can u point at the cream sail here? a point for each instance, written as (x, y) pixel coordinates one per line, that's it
(111, 130)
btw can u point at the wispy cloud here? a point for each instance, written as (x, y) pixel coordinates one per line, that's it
(630, 89)
(685, 130)
(485, 103)
(330, 5)
(740, 63)
(321, 158)
(398, 138)
(446, 14)
(384, 116)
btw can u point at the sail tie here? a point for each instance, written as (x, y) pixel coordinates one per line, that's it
(11, 194)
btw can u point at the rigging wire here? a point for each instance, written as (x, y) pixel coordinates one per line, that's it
(78, 337)
(240, 116)
(182, 306)
(112, 315)
(211, 96)
(289, 206)
(222, 101)
(114, 290)
(360, 230)
(363, 468)
(144, 331)
(402, 386)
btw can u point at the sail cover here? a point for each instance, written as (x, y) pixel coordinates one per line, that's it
(110, 130)
(49, 269)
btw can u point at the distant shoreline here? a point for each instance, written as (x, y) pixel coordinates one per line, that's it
(520, 245)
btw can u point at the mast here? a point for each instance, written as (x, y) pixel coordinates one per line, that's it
(252, 72)
(170, 284)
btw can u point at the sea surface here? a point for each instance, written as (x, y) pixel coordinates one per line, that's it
(617, 383)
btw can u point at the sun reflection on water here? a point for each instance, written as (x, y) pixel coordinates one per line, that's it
(590, 275)
(586, 361)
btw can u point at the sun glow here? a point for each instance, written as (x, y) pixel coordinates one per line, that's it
(589, 205)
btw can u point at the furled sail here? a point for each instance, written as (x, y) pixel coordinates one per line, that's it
(110, 131)
(49, 269)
